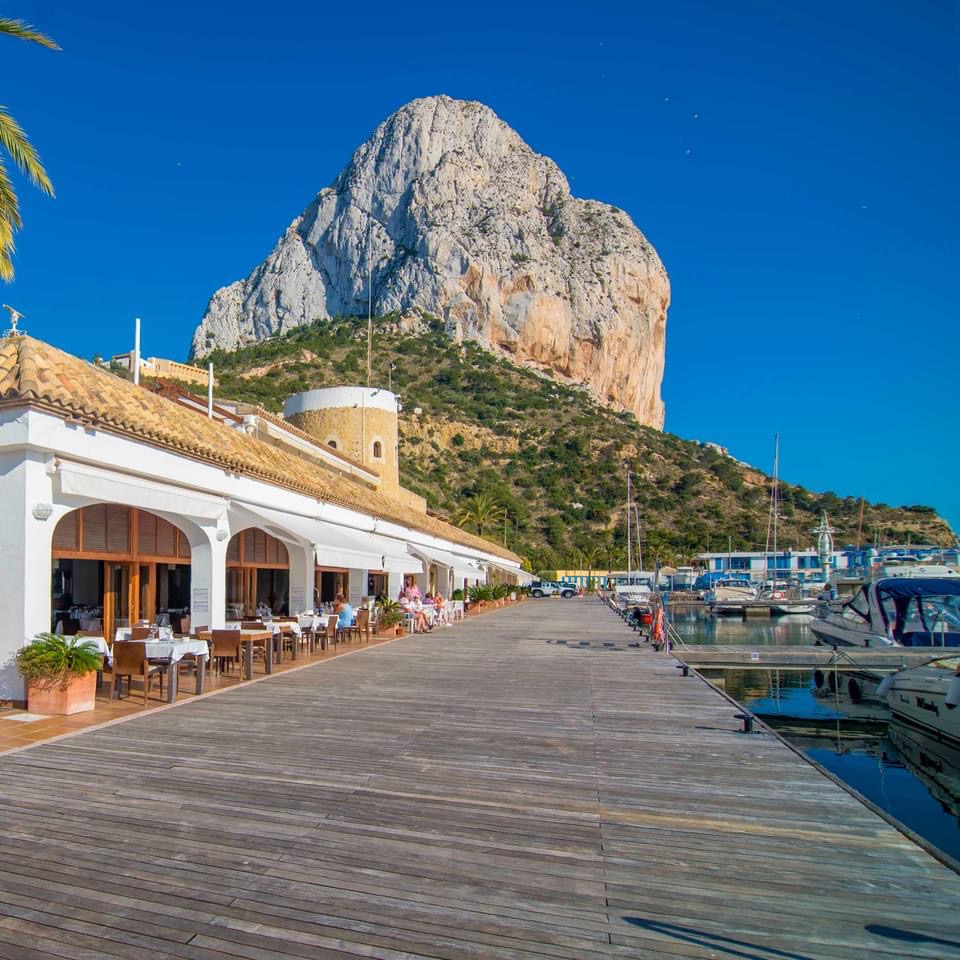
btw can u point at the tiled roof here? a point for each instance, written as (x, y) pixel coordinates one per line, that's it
(38, 374)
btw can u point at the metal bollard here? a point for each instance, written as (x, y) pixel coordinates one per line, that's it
(685, 668)
(747, 721)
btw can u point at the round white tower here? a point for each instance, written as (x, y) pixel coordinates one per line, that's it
(360, 422)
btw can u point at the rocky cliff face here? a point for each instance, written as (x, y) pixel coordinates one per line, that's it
(455, 215)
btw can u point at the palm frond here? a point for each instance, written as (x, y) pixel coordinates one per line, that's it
(24, 31)
(9, 222)
(9, 204)
(15, 142)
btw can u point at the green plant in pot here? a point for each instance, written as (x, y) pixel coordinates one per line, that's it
(391, 613)
(61, 673)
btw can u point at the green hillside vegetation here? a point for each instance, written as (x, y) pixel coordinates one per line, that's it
(547, 454)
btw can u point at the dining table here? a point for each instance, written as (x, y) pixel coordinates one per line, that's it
(168, 650)
(248, 639)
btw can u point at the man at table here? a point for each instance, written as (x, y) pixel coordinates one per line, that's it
(344, 612)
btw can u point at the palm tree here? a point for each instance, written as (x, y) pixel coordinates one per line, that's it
(591, 555)
(14, 141)
(480, 511)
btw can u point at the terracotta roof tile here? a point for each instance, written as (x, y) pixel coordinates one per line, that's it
(34, 371)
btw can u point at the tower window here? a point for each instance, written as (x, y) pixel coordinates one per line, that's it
(377, 448)
(332, 443)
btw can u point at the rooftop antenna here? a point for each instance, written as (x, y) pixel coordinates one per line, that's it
(15, 317)
(210, 390)
(136, 350)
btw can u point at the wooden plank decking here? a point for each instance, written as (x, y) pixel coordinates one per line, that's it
(474, 793)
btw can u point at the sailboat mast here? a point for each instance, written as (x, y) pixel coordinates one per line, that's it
(629, 536)
(776, 502)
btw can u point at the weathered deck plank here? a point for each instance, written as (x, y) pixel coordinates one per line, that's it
(483, 792)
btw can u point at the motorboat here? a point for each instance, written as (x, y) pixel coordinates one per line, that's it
(894, 611)
(926, 698)
(729, 596)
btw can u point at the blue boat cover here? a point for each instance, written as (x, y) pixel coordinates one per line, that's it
(906, 587)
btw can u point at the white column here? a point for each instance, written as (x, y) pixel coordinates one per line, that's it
(302, 564)
(358, 587)
(208, 578)
(394, 583)
(25, 561)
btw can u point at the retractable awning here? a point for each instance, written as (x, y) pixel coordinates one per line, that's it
(85, 481)
(338, 546)
(461, 566)
(521, 575)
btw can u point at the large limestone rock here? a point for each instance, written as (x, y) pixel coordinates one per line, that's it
(457, 216)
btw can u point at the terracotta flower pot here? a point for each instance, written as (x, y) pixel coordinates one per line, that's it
(74, 696)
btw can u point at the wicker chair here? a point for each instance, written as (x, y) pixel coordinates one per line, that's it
(130, 660)
(363, 624)
(328, 634)
(224, 648)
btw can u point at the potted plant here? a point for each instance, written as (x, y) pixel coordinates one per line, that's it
(61, 673)
(389, 616)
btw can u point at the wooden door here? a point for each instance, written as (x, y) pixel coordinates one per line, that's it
(118, 581)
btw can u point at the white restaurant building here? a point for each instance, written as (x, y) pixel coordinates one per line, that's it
(135, 500)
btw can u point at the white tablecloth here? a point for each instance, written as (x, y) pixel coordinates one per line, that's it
(174, 650)
(98, 642)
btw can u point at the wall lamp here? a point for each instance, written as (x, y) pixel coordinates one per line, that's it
(42, 511)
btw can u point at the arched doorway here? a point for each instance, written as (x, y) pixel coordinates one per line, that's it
(258, 573)
(115, 565)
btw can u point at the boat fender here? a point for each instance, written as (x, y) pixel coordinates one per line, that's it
(886, 685)
(952, 699)
(853, 688)
(818, 678)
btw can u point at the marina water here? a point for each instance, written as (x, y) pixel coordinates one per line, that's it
(915, 780)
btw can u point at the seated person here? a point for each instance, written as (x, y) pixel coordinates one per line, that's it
(420, 622)
(344, 612)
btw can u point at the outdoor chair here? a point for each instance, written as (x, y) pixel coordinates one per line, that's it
(139, 633)
(251, 624)
(130, 660)
(346, 634)
(306, 631)
(328, 635)
(363, 624)
(224, 648)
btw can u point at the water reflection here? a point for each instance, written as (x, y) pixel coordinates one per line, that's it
(904, 772)
(696, 627)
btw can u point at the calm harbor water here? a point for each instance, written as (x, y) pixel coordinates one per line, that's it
(912, 778)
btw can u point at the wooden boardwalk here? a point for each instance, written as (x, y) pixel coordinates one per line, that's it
(481, 792)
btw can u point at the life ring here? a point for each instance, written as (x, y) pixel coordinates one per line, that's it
(776, 595)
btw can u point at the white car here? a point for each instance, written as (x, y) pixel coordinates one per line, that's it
(552, 588)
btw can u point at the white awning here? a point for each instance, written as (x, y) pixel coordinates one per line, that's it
(521, 575)
(461, 566)
(337, 546)
(81, 480)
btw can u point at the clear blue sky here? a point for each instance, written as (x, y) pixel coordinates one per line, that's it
(795, 165)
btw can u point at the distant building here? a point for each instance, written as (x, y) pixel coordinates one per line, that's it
(759, 564)
(159, 367)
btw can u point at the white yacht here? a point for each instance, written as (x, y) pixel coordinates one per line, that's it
(926, 698)
(894, 611)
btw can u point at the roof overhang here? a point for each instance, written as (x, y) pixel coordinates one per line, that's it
(335, 546)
